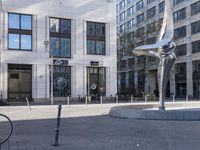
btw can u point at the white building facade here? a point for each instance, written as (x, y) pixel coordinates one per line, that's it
(76, 37)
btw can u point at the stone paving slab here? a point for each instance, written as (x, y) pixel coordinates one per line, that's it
(90, 128)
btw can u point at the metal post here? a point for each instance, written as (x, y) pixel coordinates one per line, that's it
(187, 98)
(86, 99)
(131, 98)
(58, 126)
(117, 101)
(68, 100)
(27, 102)
(89, 98)
(101, 99)
(52, 84)
(173, 97)
(145, 98)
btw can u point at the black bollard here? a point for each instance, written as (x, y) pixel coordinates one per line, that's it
(58, 126)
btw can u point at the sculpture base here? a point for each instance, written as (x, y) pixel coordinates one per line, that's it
(151, 113)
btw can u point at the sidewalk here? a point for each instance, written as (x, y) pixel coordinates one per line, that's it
(88, 127)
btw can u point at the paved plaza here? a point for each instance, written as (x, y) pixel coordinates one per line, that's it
(90, 128)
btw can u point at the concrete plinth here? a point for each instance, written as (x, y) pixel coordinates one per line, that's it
(150, 113)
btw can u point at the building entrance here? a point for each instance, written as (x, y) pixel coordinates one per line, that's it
(19, 82)
(96, 82)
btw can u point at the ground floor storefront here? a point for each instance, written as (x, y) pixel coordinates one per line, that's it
(39, 82)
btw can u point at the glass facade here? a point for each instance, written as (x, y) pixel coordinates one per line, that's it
(19, 31)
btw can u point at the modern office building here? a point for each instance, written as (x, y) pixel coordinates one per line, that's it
(138, 23)
(69, 45)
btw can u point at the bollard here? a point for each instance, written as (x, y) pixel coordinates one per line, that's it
(89, 98)
(58, 126)
(174, 98)
(86, 100)
(27, 102)
(101, 99)
(68, 100)
(117, 101)
(131, 98)
(187, 98)
(145, 98)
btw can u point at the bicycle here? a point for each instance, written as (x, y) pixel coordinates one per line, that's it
(6, 128)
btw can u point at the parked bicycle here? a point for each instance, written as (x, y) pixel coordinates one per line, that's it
(6, 128)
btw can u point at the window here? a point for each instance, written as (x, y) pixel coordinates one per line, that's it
(122, 28)
(180, 32)
(131, 79)
(181, 50)
(122, 4)
(140, 32)
(130, 23)
(123, 79)
(195, 27)
(140, 18)
(151, 40)
(161, 7)
(129, 1)
(19, 31)
(179, 15)
(196, 46)
(195, 8)
(60, 37)
(150, 1)
(96, 38)
(151, 27)
(151, 12)
(130, 11)
(122, 16)
(140, 5)
(175, 2)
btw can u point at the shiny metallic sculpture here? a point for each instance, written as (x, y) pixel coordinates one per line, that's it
(162, 50)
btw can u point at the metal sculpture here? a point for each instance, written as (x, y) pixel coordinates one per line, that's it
(163, 50)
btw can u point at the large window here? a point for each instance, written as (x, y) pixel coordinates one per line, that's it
(161, 7)
(19, 31)
(140, 18)
(151, 13)
(130, 11)
(140, 5)
(181, 50)
(195, 8)
(195, 27)
(179, 15)
(150, 1)
(196, 46)
(140, 32)
(60, 37)
(122, 16)
(122, 4)
(177, 1)
(96, 38)
(130, 23)
(180, 32)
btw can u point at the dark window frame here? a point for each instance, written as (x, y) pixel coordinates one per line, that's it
(20, 32)
(96, 38)
(60, 35)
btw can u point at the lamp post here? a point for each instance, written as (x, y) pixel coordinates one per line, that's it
(46, 43)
